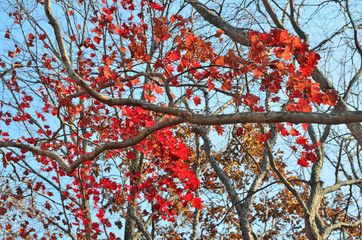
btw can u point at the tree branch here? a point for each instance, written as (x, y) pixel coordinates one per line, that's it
(338, 185)
(285, 181)
(272, 14)
(140, 224)
(343, 224)
(237, 34)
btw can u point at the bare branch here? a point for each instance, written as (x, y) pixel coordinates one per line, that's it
(338, 185)
(285, 181)
(272, 14)
(237, 34)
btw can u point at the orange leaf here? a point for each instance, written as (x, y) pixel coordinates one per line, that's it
(219, 60)
(285, 54)
(219, 32)
(330, 97)
(190, 39)
(107, 60)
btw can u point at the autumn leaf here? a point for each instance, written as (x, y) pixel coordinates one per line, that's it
(275, 99)
(158, 90)
(190, 39)
(250, 99)
(330, 97)
(97, 39)
(174, 55)
(188, 93)
(107, 60)
(219, 129)
(219, 32)
(157, 6)
(219, 60)
(7, 34)
(283, 53)
(42, 37)
(197, 100)
(301, 140)
(239, 131)
(305, 126)
(3, 211)
(303, 162)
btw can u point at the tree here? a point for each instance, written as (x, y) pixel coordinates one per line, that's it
(180, 120)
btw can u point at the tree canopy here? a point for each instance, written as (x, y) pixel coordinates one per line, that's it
(125, 119)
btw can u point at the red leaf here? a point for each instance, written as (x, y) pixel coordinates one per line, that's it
(130, 198)
(305, 126)
(190, 39)
(303, 162)
(112, 236)
(7, 34)
(3, 211)
(188, 93)
(97, 39)
(156, 6)
(251, 99)
(158, 90)
(8, 226)
(106, 71)
(42, 37)
(284, 35)
(31, 36)
(263, 137)
(189, 195)
(47, 205)
(301, 140)
(309, 146)
(197, 100)
(197, 203)
(150, 97)
(174, 55)
(130, 155)
(11, 54)
(239, 131)
(219, 129)
(275, 99)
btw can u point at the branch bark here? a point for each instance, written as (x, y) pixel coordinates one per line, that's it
(236, 34)
(338, 185)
